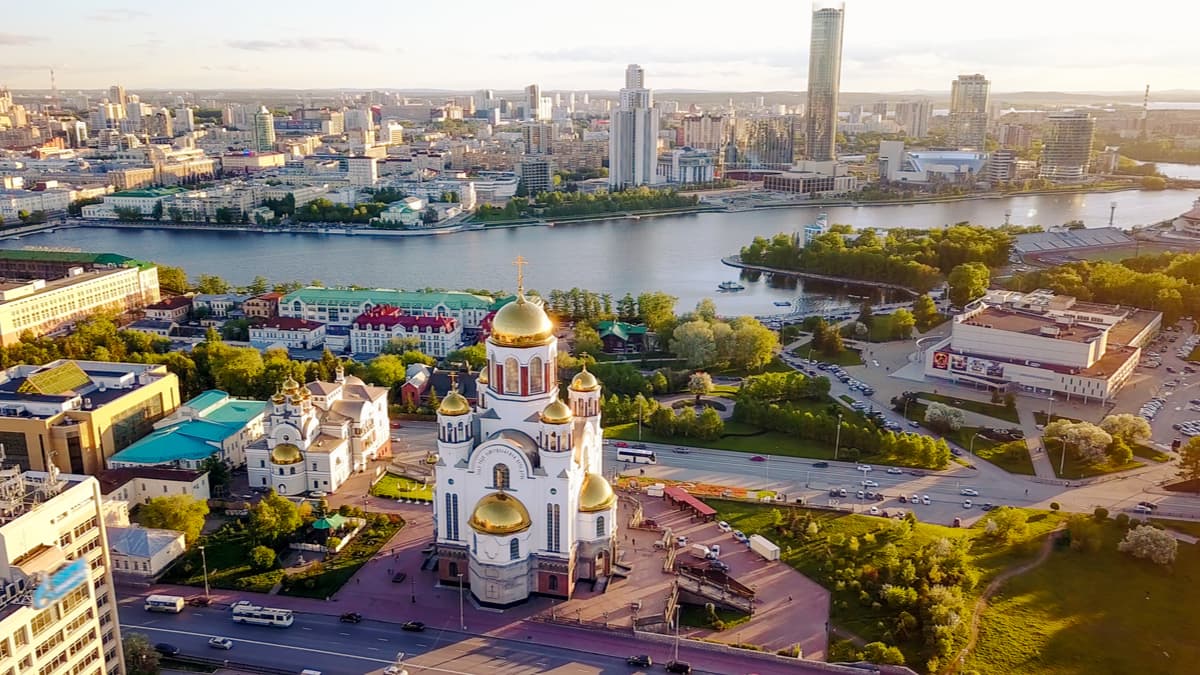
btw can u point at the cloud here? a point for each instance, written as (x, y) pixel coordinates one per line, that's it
(235, 67)
(306, 43)
(12, 39)
(117, 14)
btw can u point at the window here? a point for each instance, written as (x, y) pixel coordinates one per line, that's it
(553, 584)
(514, 550)
(553, 533)
(600, 526)
(537, 372)
(453, 569)
(42, 621)
(512, 376)
(314, 466)
(500, 477)
(262, 463)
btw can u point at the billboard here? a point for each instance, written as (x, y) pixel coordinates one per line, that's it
(941, 360)
(52, 587)
(961, 363)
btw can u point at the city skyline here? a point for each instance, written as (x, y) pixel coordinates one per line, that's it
(887, 47)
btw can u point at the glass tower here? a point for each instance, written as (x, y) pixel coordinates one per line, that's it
(824, 80)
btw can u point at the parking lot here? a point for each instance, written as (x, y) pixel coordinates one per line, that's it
(1167, 390)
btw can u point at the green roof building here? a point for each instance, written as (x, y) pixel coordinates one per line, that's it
(213, 423)
(340, 306)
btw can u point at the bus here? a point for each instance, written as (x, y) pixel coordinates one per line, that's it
(244, 612)
(636, 455)
(164, 603)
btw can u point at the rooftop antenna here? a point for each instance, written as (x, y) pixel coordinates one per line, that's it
(1145, 112)
(53, 91)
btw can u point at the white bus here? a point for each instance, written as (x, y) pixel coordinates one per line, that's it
(244, 612)
(636, 456)
(164, 603)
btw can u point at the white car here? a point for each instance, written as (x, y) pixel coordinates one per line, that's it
(926, 500)
(870, 483)
(894, 470)
(317, 494)
(1142, 508)
(724, 526)
(966, 503)
(874, 510)
(220, 643)
(969, 492)
(864, 467)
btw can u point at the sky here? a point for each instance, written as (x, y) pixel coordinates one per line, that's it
(762, 45)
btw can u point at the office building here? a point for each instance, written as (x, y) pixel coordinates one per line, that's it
(538, 137)
(633, 135)
(765, 142)
(1067, 146)
(58, 608)
(185, 120)
(824, 80)
(379, 325)
(535, 173)
(686, 165)
(1042, 343)
(264, 130)
(704, 132)
(1001, 166)
(913, 118)
(537, 107)
(213, 424)
(116, 95)
(969, 111)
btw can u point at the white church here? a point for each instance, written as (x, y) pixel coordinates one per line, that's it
(318, 434)
(521, 504)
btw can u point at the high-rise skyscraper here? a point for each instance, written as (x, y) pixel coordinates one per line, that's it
(824, 80)
(913, 118)
(116, 94)
(633, 134)
(1067, 146)
(762, 142)
(969, 111)
(264, 130)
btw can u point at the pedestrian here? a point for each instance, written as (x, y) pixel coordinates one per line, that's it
(357, 580)
(1026, 492)
(789, 598)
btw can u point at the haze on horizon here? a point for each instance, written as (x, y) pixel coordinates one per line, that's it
(1021, 45)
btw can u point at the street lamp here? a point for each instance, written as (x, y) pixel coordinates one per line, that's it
(837, 440)
(1112, 211)
(971, 445)
(461, 621)
(204, 563)
(678, 609)
(1062, 463)
(414, 588)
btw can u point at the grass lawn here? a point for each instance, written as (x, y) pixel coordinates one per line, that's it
(696, 617)
(1012, 456)
(322, 582)
(848, 357)
(847, 398)
(227, 553)
(1077, 469)
(983, 408)
(1052, 620)
(1041, 418)
(878, 330)
(811, 557)
(395, 487)
(1147, 452)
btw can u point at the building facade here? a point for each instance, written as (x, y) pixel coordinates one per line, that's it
(969, 111)
(633, 134)
(1067, 146)
(58, 609)
(376, 327)
(686, 165)
(289, 333)
(824, 80)
(340, 306)
(317, 435)
(213, 424)
(521, 505)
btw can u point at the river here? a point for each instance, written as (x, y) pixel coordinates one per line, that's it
(677, 254)
(1185, 171)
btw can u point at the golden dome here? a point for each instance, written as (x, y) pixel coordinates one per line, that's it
(290, 385)
(286, 453)
(585, 381)
(596, 494)
(483, 378)
(521, 323)
(500, 513)
(454, 404)
(278, 398)
(556, 413)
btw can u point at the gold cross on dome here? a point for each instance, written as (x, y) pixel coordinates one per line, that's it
(520, 262)
(454, 380)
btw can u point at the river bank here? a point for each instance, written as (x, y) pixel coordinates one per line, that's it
(735, 261)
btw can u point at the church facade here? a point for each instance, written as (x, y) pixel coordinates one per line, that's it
(318, 434)
(521, 504)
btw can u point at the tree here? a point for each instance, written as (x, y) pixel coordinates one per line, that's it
(1151, 543)
(474, 356)
(182, 513)
(695, 343)
(218, 471)
(273, 517)
(865, 312)
(587, 340)
(211, 283)
(752, 345)
(1189, 460)
(140, 657)
(1127, 427)
(924, 311)
(259, 285)
(706, 309)
(1088, 441)
(262, 557)
(943, 418)
(831, 341)
(1154, 183)
(157, 211)
(399, 345)
(386, 370)
(902, 323)
(709, 425)
(657, 311)
(1085, 533)
(172, 279)
(968, 282)
(1007, 523)
(700, 384)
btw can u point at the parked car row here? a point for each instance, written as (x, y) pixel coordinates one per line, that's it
(1190, 427)
(1151, 408)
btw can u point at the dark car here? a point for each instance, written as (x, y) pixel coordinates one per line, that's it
(399, 577)
(199, 601)
(350, 617)
(820, 465)
(166, 649)
(638, 446)
(1150, 505)
(758, 458)
(412, 626)
(679, 667)
(641, 661)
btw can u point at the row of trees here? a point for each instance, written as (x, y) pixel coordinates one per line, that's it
(563, 204)
(705, 341)
(656, 310)
(1111, 441)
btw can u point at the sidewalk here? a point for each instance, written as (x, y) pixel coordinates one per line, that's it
(1042, 466)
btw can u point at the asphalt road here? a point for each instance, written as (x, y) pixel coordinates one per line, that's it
(323, 643)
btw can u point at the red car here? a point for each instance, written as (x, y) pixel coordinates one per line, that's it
(758, 458)
(621, 444)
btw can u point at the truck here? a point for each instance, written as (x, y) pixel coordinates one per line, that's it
(701, 551)
(655, 490)
(763, 546)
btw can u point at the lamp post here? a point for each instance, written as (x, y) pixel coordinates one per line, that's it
(462, 622)
(639, 419)
(971, 445)
(678, 609)
(1112, 211)
(1007, 215)
(204, 563)
(414, 589)
(837, 439)
(1062, 462)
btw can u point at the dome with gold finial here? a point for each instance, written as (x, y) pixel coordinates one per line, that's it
(556, 413)
(278, 398)
(500, 513)
(483, 378)
(596, 494)
(585, 381)
(286, 453)
(290, 385)
(521, 323)
(454, 404)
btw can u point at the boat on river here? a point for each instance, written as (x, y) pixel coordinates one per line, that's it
(783, 303)
(730, 286)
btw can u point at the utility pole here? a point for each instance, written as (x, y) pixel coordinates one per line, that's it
(204, 563)
(461, 620)
(838, 438)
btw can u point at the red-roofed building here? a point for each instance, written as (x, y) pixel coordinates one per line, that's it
(288, 332)
(264, 306)
(174, 308)
(374, 328)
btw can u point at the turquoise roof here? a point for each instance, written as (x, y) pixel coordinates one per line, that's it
(207, 399)
(164, 446)
(619, 329)
(221, 417)
(385, 296)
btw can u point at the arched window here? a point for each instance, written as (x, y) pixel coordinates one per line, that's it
(514, 550)
(500, 477)
(537, 379)
(512, 376)
(453, 569)
(600, 526)
(553, 582)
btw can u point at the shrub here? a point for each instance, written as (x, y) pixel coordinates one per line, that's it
(1122, 520)
(1146, 541)
(1100, 513)
(333, 542)
(262, 557)
(1054, 506)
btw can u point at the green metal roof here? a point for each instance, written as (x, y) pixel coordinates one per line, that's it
(236, 412)
(150, 192)
(619, 330)
(64, 256)
(387, 296)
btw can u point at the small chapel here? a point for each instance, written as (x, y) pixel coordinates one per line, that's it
(521, 504)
